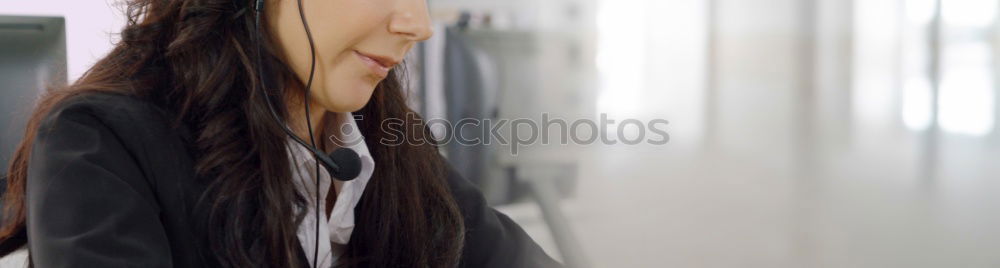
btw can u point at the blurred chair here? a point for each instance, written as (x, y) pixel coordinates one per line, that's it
(491, 74)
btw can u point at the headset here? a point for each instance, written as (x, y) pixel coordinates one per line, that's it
(343, 164)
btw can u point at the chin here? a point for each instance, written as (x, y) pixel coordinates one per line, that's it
(345, 104)
(348, 94)
(355, 106)
(351, 101)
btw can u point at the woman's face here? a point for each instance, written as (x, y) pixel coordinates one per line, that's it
(357, 43)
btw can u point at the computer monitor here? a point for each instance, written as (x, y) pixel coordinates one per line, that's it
(32, 60)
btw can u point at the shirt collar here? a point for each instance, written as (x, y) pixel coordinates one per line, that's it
(346, 134)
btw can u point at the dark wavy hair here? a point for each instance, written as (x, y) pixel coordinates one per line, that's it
(195, 58)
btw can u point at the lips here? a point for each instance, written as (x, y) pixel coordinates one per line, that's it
(378, 65)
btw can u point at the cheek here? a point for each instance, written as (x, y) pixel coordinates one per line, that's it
(343, 83)
(346, 87)
(342, 80)
(338, 26)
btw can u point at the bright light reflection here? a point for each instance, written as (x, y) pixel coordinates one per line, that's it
(967, 102)
(919, 12)
(917, 103)
(969, 13)
(621, 51)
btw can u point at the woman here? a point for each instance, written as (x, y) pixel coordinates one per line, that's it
(166, 153)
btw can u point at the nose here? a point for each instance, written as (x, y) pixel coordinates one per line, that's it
(411, 20)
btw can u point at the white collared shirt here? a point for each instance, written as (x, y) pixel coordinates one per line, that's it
(340, 222)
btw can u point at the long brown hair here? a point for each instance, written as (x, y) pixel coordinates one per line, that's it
(194, 57)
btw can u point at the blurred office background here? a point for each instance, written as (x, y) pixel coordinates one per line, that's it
(803, 133)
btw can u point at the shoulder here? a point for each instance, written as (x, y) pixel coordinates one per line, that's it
(99, 133)
(467, 196)
(492, 239)
(108, 107)
(108, 120)
(129, 116)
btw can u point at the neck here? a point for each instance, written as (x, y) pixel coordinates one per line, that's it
(297, 118)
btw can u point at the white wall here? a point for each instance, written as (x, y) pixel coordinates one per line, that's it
(91, 27)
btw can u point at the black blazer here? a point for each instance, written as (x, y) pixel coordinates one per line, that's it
(112, 184)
